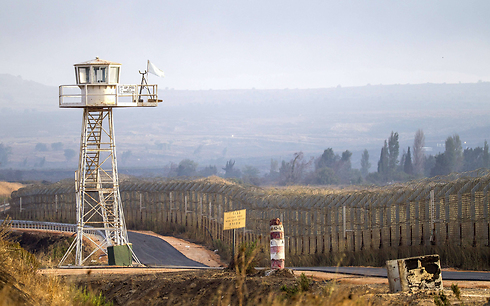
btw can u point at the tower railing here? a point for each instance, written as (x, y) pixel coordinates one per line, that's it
(120, 96)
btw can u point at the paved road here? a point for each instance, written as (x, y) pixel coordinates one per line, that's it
(381, 272)
(153, 251)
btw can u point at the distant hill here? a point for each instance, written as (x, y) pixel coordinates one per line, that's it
(251, 126)
(19, 94)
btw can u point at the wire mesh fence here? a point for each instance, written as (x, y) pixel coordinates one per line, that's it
(442, 211)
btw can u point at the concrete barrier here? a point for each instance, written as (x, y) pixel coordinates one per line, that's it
(414, 273)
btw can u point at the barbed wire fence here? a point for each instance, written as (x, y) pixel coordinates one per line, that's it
(448, 214)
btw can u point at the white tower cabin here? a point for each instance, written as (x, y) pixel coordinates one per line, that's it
(99, 207)
(98, 86)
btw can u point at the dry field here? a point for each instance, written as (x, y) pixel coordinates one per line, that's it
(221, 287)
(158, 286)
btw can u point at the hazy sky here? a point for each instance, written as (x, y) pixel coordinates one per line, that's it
(245, 44)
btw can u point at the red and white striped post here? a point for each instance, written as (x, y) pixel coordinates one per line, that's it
(277, 244)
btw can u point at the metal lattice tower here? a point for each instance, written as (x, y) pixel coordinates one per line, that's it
(98, 201)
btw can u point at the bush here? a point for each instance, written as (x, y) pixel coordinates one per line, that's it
(245, 259)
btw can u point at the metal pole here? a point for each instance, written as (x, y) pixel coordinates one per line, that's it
(432, 216)
(344, 222)
(234, 242)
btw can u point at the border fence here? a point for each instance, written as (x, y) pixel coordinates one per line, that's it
(442, 213)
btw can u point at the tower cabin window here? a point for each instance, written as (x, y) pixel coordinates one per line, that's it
(100, 74)
(114, 75)
(83, 74)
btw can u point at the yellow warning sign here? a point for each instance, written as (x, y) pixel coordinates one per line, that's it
(234, 219)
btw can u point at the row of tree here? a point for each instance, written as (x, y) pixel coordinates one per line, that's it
(418, 164)
(331, 168)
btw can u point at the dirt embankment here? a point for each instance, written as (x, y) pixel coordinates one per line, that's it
(6, 188)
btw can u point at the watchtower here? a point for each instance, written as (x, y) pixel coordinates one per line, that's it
(98, 201)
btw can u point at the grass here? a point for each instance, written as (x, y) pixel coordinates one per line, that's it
(302, 285)
(47, 248)
(441, 299)
(86, 297)
(21, 284)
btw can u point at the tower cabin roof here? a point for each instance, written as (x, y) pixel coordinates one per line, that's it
(97, 61)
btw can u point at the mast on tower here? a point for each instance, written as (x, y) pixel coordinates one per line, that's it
(98, 200)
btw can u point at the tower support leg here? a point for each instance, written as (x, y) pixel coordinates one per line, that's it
(98, 200)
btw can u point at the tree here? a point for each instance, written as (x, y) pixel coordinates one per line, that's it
(186, 167)
(365, 164)
(442, 165)
(251, 175)
(69, 154)
(231, 172)
(402, 161)
(41, 147)
(274, 171)
(346, 155)
(454, 153)
(393, 152)
(473, 158)
(328, 159)
(293, 171)
(208, 171)
(326, 176)
(285, 173)
(407, 166)
(344, 167)
(383, 167)
(57, 146)
(274, 166)
(429, 163)
(418, 153)
(170, 169)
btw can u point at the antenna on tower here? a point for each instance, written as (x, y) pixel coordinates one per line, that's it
(144, 84)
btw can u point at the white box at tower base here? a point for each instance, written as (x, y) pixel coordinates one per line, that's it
(414, 273)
